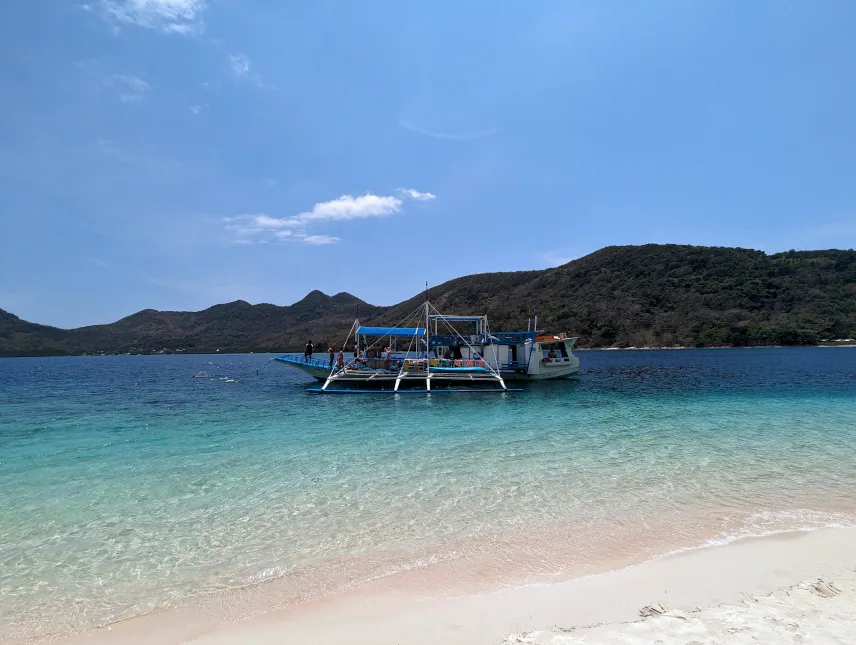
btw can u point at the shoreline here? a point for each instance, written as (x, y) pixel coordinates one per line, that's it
(575, 349)
(695, 581)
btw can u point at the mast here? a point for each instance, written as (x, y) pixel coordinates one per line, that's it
(426, 322)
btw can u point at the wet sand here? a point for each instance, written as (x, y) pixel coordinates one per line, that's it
(777, 588)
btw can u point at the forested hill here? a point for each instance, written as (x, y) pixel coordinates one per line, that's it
(651, 295)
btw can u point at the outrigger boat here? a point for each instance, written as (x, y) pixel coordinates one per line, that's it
(432, 359)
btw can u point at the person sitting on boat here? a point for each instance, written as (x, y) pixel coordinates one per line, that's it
(307, 353)
(448, 354)
(457, 353)
(385, 356)
(551, 353)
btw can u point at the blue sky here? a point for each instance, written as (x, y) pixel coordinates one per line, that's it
(174, 154)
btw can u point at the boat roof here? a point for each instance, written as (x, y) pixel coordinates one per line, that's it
(391, 331)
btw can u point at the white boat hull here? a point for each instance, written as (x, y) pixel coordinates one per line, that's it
(551, 371)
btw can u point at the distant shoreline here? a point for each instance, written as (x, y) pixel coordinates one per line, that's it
(615, 349)
(576, 349)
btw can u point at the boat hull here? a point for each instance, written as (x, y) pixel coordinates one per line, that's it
(553, 374)
(320, 370)
(316, 368)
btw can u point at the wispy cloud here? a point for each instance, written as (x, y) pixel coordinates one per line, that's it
(555, 258)
(444, 135)
(241, 68)
(99, 263)
(198, 109)
(239, 64)
(415, 194)
(320, 239)
(260, 226)
(171, 16)
(130, 88)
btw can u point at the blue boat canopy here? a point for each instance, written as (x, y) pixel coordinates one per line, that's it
(391, 331)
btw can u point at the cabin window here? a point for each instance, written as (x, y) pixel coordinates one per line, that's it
(554, 350)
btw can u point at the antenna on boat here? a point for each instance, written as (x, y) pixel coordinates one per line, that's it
(427, 323)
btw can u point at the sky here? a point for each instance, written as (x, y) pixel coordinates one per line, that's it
(175, 154)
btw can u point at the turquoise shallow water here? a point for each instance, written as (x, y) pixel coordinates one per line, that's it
(129, 487)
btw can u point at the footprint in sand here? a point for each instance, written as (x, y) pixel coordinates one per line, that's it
(824, 589)
(649, 611)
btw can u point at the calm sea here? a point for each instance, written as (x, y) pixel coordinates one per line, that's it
(130, 487)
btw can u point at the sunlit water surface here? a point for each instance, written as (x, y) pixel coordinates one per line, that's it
(130, 487)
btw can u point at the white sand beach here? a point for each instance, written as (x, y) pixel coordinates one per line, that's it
(796, 587)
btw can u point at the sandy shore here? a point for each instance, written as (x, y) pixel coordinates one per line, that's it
(785, 588)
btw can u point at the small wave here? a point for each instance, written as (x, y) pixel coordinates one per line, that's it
(766, 523)
(266, 574)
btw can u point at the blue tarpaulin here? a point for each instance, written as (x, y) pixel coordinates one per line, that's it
(391, 331)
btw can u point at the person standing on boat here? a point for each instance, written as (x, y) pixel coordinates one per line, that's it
(307, 353)
(331, 351)
(341, 364)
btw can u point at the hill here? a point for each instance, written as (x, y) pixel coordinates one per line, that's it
(651, 295)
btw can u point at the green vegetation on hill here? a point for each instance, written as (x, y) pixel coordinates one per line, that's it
(652, 295)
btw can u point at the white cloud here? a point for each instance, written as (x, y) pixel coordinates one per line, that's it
(171, 16)
(444, 135)
(319, 239)
(241, 68)
(349, 207)
(239, 64)
(130, 88)
(415, 194)
(345, 208)
(196, 109)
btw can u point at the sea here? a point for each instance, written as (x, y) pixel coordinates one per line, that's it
(133, 486)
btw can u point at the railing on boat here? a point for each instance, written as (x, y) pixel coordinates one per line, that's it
(498, 338)
(303, 360)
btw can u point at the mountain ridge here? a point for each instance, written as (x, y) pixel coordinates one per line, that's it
(649, 295)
